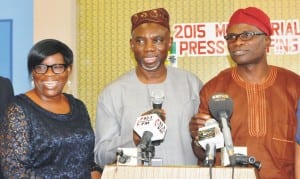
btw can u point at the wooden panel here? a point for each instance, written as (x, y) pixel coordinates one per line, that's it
(172, 172)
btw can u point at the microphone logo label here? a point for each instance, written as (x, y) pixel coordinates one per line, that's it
(220, 97)
(152, 123)
(161, 127)
(144, 120)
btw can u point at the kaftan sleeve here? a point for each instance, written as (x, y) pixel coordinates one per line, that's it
(204, 98)
(108, 136)
(14, 146)
(298, 128)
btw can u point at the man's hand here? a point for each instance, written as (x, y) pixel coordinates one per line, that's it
(160, 112)
(136, 138)
(197, 121)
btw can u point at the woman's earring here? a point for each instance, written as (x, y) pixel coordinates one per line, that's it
(68, 88)
(69, 83)
(32, 83)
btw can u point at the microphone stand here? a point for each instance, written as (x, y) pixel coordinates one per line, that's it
(147, 154)
(242, 159)
(148, 151)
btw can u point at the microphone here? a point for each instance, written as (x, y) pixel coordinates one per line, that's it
(157, 98)
(151, 127)
(150, 123)
(221, 106)
(210, 139)
(122, 157)
(210, 154)
(245, 160)
(147, 148)
(145, 140)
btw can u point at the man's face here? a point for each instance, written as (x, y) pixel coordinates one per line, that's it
(150, 44)
(250, 51)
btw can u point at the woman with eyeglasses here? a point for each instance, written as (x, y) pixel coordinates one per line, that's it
(47, 133)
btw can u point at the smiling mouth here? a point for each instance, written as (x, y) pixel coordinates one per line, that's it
(238, 52)
(50, 84)
(150, 59)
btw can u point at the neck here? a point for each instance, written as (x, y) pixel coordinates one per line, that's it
(151, 77)
(255, 74)
(58, 104)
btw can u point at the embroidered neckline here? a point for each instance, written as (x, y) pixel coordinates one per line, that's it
(268, 82)
(256, 102)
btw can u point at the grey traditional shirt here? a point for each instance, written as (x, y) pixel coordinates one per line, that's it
(127, 98)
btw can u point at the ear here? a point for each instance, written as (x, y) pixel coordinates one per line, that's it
(69, 69)
(268, 41)
(131, 43)
(170, 42)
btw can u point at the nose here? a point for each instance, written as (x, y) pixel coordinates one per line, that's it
(49, 71)
(149, 46)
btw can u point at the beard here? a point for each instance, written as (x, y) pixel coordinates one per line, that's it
(156, 66)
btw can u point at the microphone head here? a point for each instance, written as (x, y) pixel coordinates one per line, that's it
(157, 98)
(152, 123)
(145, 140)
(220, 105)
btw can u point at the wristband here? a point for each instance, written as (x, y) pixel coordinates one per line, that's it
(96, 167)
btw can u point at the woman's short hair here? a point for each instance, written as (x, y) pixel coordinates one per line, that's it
(46, 48)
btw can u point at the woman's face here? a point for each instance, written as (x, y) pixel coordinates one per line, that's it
(50, 84)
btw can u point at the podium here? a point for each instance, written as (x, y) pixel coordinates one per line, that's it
(177, 172)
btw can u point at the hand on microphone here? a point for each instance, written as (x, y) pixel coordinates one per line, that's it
(197, 121)
(136, 138)
(160, 112)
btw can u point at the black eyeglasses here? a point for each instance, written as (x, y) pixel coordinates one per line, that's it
(56, 68)
(243, 36)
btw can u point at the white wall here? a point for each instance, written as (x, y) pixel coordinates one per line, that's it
(20, 13)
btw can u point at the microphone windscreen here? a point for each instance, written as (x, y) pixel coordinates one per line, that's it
(219, 104)
(157, 98)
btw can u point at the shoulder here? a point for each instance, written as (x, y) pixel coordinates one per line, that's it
(222, 76)
(287, 78)
(74, 100)
(282, 72)
(5, 81)
(128, 79)
(182, 73)
(20, 100)
(184, 78)
(23, 102)
(123, 79)
(18, 106)
(179, 71)
(220, 82)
